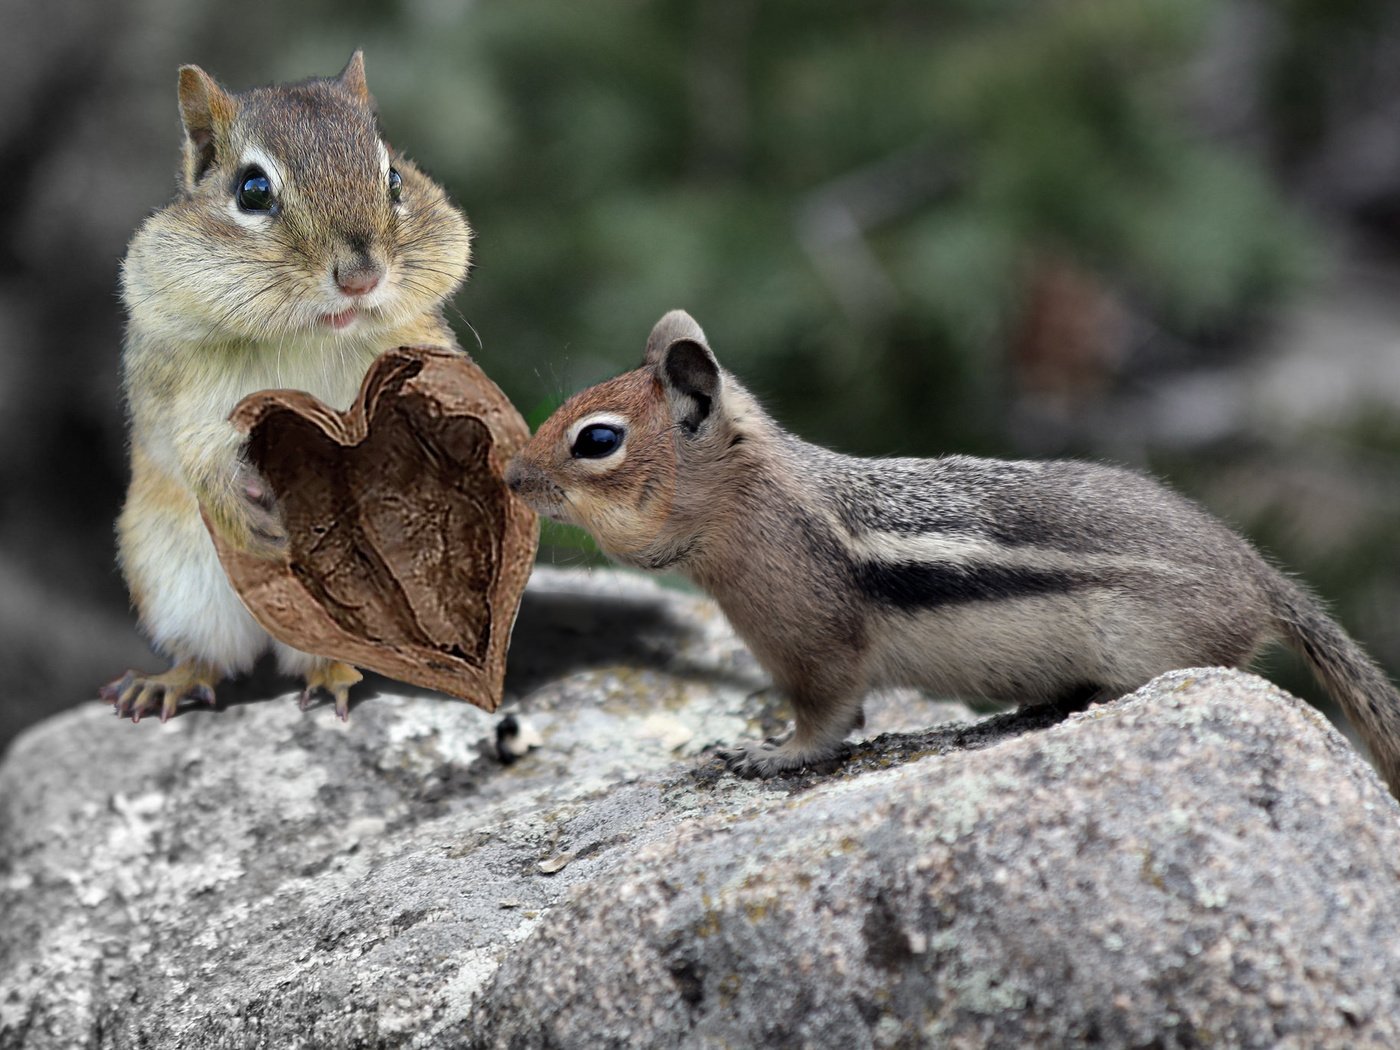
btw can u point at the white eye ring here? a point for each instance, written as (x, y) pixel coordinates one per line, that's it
(256, 158)
(253, 157)
(600, 451)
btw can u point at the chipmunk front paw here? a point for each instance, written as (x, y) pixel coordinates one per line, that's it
(136, 694)
(241, 508)
(261, 517)
(775, 756)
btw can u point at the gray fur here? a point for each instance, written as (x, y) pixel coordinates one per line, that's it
(1021, 581)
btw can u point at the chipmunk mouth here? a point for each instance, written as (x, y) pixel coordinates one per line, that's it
(341, 321)
(542, 496)
(545, 505)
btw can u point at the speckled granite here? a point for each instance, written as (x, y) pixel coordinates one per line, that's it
(1203, 863)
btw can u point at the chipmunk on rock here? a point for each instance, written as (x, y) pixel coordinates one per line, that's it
(1027, 581)
(299, 247)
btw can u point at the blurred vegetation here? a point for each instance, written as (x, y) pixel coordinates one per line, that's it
(852, 199)
(997, 226)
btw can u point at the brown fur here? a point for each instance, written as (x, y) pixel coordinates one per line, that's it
(1023, 581)
(223, 301)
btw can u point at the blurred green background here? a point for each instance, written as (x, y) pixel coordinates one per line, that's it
(1165, 233)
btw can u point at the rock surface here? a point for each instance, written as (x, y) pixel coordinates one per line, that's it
(1205, 862)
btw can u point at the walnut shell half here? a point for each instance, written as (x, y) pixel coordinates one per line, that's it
(406, 553)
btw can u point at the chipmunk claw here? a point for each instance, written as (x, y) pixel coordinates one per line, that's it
(113, 690)
(339, 694)
(777, 755)
(334, 679)
(135, 694)
(759, 760)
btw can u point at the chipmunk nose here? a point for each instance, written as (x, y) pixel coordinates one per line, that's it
(515, 475)
(357, 271)
(358, 280)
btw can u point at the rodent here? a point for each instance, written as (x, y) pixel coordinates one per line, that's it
(1029, 581)
(298, 248)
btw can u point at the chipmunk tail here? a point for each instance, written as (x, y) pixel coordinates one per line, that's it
(1352, 679)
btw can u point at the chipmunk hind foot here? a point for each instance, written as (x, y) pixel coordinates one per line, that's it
(770, 758)
(136, 693)
(803, 746)
(334, 679)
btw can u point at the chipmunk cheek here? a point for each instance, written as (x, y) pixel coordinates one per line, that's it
(598, 516)
(654, 484)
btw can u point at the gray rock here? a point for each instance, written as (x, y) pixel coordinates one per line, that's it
(1204, 862)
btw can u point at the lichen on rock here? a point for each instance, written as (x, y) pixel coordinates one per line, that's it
(1204, 862)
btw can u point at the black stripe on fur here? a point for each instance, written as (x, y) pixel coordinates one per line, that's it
(928, 585)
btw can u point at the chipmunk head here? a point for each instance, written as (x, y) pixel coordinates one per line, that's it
(294, 219)
(621, 459)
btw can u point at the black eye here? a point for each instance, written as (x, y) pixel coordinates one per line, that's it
(395, 184)
(597, 440)
(255, 191)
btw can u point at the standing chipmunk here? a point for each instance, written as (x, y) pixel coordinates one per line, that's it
(1034, 581)
(300, 247)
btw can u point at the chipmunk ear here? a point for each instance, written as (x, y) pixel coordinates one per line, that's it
(207, 111)
(686, 367)
(353, 78)
(677, 324)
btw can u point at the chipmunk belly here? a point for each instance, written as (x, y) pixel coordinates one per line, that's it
(970, 616)
(1039, 648)
(182, 596)
(1023, 650)
(178, 586)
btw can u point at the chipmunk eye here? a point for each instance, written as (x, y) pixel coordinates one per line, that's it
(597, 440)
(255, 191)
(395, 184)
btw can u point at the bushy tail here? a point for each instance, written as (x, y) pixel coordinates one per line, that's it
(1350, 677)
